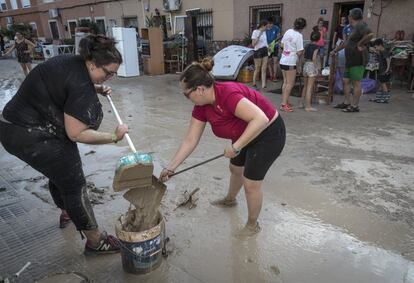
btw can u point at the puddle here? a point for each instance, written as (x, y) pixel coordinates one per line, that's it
(7, 90)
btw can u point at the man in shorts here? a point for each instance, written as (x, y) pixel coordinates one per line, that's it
(355, 59)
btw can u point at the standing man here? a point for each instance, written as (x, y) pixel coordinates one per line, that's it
(272, 34)
(355, 59)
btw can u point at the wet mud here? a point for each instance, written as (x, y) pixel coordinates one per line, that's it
(146, 202)
(338, 203)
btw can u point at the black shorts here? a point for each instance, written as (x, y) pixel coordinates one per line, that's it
(287, 67)
(384, 78)
(260, 153)
(260, 53)
(274, 54)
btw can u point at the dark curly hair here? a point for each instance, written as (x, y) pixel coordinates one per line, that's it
(99, 49)
(299, 24)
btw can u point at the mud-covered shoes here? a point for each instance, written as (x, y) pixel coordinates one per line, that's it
(224, 202)
(64, 219)
(107, 245)
(249, 230)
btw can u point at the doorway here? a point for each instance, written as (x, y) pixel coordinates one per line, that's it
(342, 10)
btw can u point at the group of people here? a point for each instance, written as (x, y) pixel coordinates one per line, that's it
(57, 106)
(350, 42)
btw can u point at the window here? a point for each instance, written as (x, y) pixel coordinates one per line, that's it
(54, 29)
(205, 24)
(131, 22)
(100, 21)
(179, 24)
(72, 24)
(259, 13)
(13, 4)
(25, 3)
(3, 5)
(84, 22)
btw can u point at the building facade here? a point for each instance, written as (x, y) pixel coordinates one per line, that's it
(217, 20)
(384, 17)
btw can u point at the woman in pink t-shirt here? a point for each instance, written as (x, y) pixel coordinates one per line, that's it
(242, 115)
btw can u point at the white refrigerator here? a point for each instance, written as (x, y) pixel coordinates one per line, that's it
(127, 45)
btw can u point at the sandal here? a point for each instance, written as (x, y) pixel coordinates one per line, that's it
(286, 107)
(351, 108)
(342, 106)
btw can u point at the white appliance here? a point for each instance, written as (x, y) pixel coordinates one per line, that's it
(78, 37)
(127, 45)
(229, 60)
(50, 51)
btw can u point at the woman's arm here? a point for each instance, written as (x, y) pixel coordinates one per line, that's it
(334, 39)
(30, 45)
(315, 56)
(256, 119)
(9, 50)
(77, 131)
(388, 64)
(189, 143)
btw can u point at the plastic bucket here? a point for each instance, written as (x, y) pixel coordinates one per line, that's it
(141, 252)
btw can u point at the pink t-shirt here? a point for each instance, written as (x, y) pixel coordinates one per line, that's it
(224, 123)
(321, 41)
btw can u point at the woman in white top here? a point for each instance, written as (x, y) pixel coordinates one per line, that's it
(259, 42)
(292, 44)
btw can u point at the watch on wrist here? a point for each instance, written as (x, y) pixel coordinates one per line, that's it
(236, 150)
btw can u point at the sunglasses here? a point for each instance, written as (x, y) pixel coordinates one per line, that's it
(188, 92)
(108, 73)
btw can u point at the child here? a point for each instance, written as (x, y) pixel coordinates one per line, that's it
(384, 74)
(310, 70)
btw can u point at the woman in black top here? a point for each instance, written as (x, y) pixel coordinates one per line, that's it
(24, 48)
(55, 107)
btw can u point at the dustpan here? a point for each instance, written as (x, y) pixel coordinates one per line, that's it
(133, 170)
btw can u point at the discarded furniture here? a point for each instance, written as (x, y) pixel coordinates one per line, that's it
(154, 61)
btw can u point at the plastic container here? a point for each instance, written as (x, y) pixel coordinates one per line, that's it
(141, 252)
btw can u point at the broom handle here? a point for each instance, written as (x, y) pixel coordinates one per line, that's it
(196, 165)
(131, 145)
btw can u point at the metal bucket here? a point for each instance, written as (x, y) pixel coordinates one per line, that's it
(141, 252)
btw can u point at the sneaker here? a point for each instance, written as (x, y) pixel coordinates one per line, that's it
(64, 220)
(224, 202)
(286, 108)
(107, 245)
(342, 106)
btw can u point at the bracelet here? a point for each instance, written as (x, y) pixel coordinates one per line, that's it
(114, 138)
(236, 150)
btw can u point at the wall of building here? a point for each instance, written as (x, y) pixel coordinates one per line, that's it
(397, 16)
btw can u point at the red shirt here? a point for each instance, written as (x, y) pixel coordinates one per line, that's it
(224, 123)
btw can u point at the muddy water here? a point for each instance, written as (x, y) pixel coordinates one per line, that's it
(320, 222)
(7, 91)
